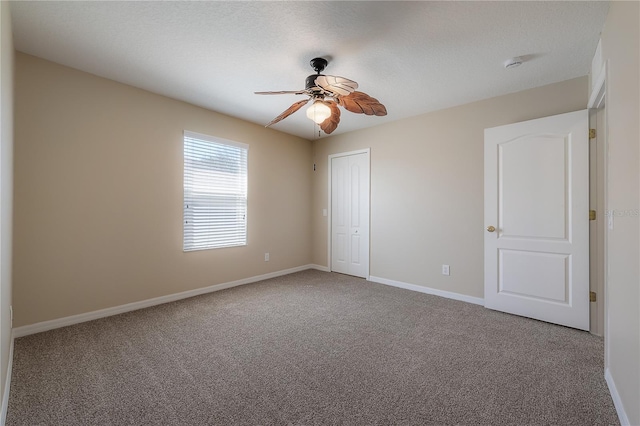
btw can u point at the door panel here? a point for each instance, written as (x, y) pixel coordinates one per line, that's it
(536, 196)
(341, 245)
(534, 275)
(355, 249)
(339, 212)
(525, 187)
(355, 195)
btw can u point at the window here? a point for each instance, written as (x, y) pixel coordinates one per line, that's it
(215, 192)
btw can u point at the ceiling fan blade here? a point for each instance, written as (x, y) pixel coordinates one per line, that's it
(361, 103)
(338, 85)
(293, 108)
(283, 92)
(331, 123)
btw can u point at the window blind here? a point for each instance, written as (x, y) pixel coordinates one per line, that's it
(215, 192)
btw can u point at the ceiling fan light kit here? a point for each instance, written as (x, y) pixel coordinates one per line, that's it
(318, 112)
(327, 92)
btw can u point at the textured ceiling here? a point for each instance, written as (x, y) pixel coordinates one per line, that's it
(414, 57)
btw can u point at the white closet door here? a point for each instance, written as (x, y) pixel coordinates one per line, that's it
(350, 214)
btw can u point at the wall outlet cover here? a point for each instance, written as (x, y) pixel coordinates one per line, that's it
(445, 269)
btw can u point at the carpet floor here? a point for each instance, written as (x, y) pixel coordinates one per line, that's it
(306, 349)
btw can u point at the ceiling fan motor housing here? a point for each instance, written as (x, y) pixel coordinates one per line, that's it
(310, 82)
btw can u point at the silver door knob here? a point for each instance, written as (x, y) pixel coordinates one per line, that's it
(491, 228)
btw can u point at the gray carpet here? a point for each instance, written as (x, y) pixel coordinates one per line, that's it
(310, 348)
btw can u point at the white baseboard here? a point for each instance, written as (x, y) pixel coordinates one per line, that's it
(26, 330)
(617, 402)
(428, 290)
(7, 385)
(320, 268)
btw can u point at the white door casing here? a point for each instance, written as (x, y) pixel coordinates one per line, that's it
(597, 228)
(349, 197)
(537, 198)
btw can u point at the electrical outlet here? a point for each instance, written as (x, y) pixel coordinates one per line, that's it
(266, 257)
(445, 269)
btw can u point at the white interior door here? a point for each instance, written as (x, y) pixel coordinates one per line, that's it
(536, 187)
(350, 214)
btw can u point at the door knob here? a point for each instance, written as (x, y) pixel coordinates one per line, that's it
(491, 228)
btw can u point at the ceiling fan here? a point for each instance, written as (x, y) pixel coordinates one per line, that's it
(327, 92)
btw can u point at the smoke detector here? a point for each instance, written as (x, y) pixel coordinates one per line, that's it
(513, 62)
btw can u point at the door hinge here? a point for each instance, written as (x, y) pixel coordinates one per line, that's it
(592, 215)
(592, 296)
(592, 133)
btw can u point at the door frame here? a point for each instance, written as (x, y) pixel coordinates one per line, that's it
(597, 100)
(329, 214)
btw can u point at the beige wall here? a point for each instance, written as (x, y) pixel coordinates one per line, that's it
(620, 47)
(427, 186)
(98, 195)
(6, 187)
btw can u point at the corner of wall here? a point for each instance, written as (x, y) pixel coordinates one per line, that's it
(6, 199)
